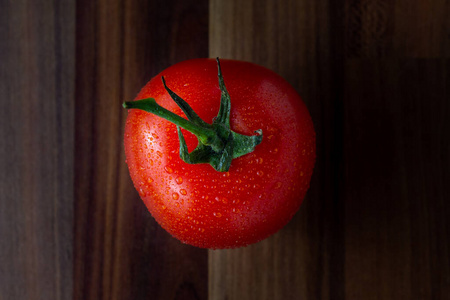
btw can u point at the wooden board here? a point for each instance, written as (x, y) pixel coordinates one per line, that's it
(120, 251)
(374, 74)
(37, 149)
(383, 149)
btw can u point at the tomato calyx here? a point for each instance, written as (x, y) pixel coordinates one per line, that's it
(217, 145)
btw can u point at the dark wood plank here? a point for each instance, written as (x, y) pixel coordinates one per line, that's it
(36, 152)
(120, 251)
(403, 28)
(397, 238)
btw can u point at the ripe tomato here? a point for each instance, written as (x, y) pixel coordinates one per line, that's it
(258, 192)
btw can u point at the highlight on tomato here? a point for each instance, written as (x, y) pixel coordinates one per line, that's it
(221, 152)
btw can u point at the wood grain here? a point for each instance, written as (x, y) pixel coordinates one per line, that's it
(305, 259)
(361, 232)
(397, 224)
(380, 28)
(375, 75)
(120, 251)
(36, 152)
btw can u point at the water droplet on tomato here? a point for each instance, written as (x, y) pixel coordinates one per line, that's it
(260, 173)
(168, 169)
(183, 192)
(175, 196)
(179, 180)
(218, 214)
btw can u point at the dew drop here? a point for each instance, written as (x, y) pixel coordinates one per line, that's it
(179, 180)
(175, 196)
(260, 173)
(168, 169)
(183, 192)
(218, 215)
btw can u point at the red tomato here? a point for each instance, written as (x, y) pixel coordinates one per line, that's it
(260, 192)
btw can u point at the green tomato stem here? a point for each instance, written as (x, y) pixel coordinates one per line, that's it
(205, 135)
(218, 144)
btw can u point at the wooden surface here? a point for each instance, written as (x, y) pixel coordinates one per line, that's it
(37, 93)
(120, 251)
(375, 75)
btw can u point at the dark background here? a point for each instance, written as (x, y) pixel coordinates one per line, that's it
(375, 75)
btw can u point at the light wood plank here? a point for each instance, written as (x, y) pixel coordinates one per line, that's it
(37, 77)
(305, 259)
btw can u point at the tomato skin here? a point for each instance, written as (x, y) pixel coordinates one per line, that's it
(261, 191)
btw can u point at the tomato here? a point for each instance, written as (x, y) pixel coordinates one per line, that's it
(231, 202)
